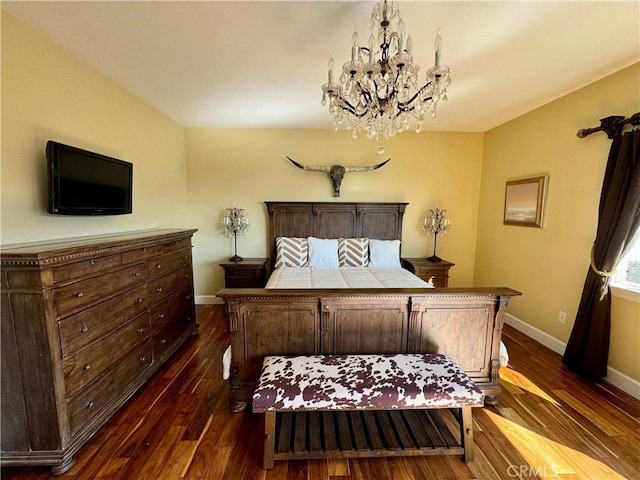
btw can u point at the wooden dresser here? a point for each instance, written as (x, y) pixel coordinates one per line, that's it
(85, 322)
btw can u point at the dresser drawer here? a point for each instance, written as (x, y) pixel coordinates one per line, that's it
(98, 396)
(179, 305)
(80, 329)
(169, 284)
(166, 337)
(86, 267)
(160, 265)
(155, 250)
(80, 294)
(103, 354)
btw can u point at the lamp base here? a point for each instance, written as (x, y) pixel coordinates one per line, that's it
(235, 258)
(434, 258)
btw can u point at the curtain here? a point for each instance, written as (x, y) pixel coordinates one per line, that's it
(618, 221)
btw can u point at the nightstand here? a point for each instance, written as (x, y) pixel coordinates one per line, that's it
(246, 273)
(436, 273)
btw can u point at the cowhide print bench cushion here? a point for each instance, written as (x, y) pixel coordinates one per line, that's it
(368, 382)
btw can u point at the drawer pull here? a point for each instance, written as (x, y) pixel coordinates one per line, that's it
(143, 358)
(87, 366)
(92, 262)
(136, 274)
(161, 315)
(80, 294)
(90, 404)
(140, 300)
(163, 341)
(141, 330)
(84, 329)
(159, 289)
(158, 265)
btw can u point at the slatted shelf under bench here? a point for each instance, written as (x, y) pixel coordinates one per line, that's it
(370, 433)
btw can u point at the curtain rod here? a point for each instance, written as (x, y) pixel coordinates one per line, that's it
(611, 125)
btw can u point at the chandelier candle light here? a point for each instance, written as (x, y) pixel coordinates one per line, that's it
(380, 96)
(235, 222)
(436, 222)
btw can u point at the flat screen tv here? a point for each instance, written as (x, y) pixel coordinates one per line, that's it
(87, 183)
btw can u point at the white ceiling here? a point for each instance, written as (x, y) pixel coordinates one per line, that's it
(260, 64)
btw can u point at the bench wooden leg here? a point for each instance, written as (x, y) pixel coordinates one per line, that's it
(269, 439)
(466, 433)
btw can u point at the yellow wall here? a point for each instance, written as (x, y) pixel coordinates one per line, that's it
(549, 265)
(247, 167)
(47, 93)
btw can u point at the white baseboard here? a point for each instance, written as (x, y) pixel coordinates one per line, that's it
(535, 333)
(208, 300)
(614, 377)
(623, 382)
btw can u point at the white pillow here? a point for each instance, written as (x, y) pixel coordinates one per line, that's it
(384, 253)
(323, 252)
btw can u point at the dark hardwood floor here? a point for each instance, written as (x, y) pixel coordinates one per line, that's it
(549, 424)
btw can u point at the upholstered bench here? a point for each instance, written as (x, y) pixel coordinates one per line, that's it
(330, 406)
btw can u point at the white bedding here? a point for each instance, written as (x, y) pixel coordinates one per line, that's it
(344, 277)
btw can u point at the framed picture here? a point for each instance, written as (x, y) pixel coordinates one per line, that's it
(524, 201)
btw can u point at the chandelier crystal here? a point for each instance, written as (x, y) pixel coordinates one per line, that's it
(378, 90)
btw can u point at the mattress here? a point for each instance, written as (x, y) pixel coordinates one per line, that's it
(344, 277)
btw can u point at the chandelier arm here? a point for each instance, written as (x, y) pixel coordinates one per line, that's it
(403, 106)
(345, 105)
(367, 95)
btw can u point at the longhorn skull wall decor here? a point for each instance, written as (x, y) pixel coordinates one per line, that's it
(337, 172)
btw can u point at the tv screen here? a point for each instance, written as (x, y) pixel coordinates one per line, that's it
(87, 183)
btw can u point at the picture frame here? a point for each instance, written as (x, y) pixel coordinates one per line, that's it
(524, 201)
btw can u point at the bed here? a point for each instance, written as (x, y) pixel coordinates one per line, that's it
(304, 318)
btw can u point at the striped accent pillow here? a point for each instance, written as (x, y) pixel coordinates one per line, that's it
(291, 252)
(353, 252)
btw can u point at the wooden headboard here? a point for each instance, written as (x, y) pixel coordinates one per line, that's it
(333, 220)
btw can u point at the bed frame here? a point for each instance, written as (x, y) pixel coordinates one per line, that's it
(464, 323)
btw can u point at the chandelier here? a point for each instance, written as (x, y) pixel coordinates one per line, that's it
(382, 96)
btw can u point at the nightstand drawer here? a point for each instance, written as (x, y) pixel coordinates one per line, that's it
(247, 273)
(436, 273)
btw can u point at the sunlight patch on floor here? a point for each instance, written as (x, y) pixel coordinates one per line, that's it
(517, 379)
(547, 458)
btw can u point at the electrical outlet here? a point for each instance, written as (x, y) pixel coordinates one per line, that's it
(562, 317)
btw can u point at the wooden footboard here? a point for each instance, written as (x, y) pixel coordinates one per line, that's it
(465, 324)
